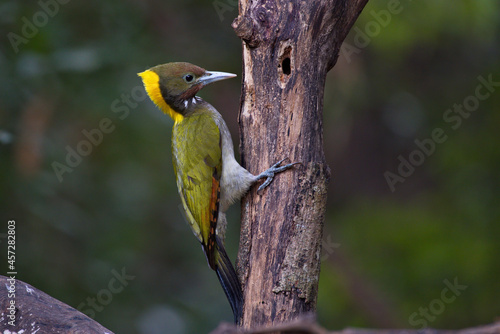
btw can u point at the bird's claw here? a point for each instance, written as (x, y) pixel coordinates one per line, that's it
(265, 184)
(271, 172)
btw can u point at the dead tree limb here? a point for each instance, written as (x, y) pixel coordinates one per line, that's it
(24, 307)
(308, 326)
(288, 48)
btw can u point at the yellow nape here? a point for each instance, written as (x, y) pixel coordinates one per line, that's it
(151, 82)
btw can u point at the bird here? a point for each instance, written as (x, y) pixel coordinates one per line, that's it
(208, 177)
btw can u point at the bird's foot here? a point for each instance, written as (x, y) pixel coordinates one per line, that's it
(271, 172)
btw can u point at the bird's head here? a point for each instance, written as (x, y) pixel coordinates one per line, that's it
(173, 86)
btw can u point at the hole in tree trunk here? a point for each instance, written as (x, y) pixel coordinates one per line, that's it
(285, 65)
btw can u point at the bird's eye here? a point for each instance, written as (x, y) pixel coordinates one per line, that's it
(188, 78)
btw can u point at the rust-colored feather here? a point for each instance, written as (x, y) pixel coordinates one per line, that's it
(210, 247)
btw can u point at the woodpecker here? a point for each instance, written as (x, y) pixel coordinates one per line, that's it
(209, 179)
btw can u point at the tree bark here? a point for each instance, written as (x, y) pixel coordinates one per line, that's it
(288, 48)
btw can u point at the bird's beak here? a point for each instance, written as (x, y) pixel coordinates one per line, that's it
(210, 77)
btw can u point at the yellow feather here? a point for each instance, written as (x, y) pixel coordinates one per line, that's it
(151, 82)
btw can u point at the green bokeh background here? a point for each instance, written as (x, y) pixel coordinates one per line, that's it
(387, 254)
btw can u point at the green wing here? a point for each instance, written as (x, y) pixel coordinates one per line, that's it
(197, 158)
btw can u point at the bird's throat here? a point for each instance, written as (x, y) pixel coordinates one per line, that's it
(151, 82)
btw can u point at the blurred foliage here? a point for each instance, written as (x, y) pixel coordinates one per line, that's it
(118, 209)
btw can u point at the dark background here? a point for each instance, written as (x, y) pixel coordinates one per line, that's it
(389, 254)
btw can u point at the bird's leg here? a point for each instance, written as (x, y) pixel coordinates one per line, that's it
(271, 172)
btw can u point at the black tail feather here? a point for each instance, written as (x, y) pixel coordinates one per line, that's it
(229, 281)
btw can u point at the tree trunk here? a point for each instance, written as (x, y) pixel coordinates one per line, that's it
(288, 48)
